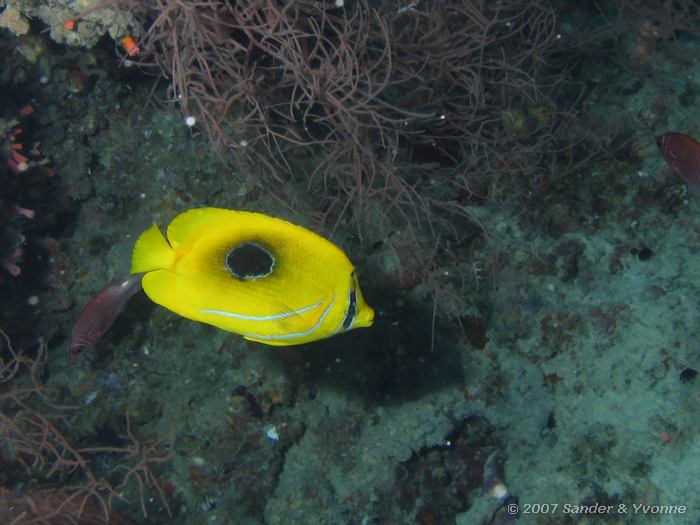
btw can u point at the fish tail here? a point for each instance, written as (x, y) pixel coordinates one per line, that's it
(152, 252)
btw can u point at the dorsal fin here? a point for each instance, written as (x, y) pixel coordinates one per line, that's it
(193, 224)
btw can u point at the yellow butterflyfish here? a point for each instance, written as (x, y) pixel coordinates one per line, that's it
(264, 278)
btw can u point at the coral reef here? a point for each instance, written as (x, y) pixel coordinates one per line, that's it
(78, 484)
(392, 118)
(26, 168)
(12, 20)
(80, 23)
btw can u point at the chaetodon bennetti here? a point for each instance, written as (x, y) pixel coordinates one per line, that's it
(263, 278)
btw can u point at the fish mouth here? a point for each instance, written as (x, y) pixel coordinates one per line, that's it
(366, 317)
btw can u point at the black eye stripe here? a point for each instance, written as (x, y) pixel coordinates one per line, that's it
(352, 310)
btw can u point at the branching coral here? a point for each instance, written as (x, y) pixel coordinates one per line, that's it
(358, 85)
(68, 483)
(393, 117)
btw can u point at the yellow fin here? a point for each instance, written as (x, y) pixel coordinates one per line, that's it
(152, 252)
(193, 224)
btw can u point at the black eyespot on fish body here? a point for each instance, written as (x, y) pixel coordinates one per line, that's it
(249, 261)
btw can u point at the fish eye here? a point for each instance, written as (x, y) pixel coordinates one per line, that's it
(76, 350)
(249, 261)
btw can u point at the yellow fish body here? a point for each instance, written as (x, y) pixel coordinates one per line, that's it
(263, 278)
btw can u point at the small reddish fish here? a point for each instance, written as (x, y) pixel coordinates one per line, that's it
(99, 314)
(682, 153)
